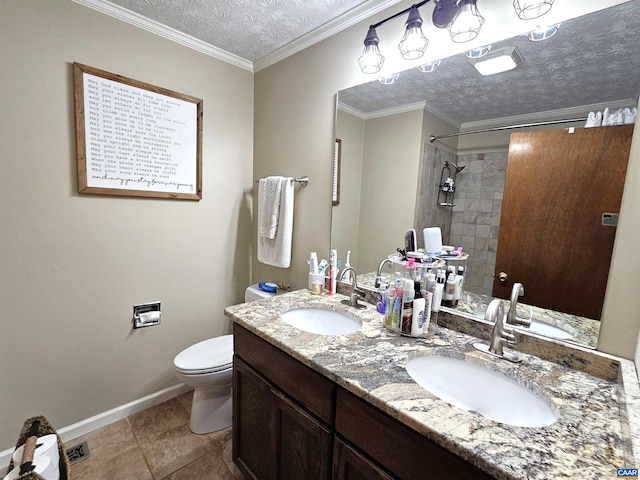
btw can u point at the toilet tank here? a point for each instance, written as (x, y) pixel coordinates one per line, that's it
(253, 293)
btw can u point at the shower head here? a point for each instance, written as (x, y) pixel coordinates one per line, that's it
(458, 169)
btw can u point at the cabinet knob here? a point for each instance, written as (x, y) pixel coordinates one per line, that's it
(502, 277)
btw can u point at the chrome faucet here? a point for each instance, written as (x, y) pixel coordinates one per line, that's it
(512, 318)
(501, 333)
(379, 271)
(355, 291)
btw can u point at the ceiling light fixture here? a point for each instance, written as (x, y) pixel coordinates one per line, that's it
(478, 52)
(429, 67)
(499, 61)
(460, 17)
(530, 9)
(388, 79)
(542, 33)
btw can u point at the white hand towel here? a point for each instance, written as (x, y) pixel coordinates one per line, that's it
(277, 251)
(594, 119)
(269, 205)
(630, 115)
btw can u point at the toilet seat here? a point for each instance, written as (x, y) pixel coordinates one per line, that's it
(209, 356)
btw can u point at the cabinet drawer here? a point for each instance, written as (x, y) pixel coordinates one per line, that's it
(300, 382)
(402, 451)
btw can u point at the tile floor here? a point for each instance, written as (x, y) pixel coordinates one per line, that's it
(156, 444)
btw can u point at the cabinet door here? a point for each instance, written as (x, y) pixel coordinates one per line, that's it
(301, 447)
(348, 464)
(251, 411)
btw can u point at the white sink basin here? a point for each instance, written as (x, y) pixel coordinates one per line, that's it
(320, 321)
(548, 330)
(478, 389)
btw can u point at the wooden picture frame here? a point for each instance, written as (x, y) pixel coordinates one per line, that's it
(136, 139)
(337, 159)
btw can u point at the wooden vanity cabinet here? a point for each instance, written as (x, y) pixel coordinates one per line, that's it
(349, 464)
(291, 423)
(395, 447)
(274, 436)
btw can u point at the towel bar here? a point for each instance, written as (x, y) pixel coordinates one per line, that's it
(304, 181)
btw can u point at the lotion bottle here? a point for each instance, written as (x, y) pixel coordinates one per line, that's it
(418, 317)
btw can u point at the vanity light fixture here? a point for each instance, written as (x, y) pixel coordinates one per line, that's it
(460, 17)
(371, 59)
(478, 52)
(542, 33)
(530, 9)
(429, 67)
(466, 26)
(413, 43)
(388, 79)
(499, 61)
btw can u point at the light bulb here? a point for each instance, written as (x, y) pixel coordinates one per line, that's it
(466, 26)
(371, 60)
(413, 43)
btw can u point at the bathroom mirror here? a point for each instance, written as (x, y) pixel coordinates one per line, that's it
(591, 63)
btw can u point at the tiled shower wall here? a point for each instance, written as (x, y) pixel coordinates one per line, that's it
(474, 221)
(428, 213)
(476, 215)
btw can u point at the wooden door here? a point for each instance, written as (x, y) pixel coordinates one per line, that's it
(558, 185)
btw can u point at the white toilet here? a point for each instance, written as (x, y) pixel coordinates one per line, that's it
(207, 366)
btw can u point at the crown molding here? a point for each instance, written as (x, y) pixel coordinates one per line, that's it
(353, 16)
(351, 111)
(581, 110)
(169, 33)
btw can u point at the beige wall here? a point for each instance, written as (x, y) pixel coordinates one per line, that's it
(72, 266)
(392, 150)
(345, 217)
(296, 99)
(621, 310)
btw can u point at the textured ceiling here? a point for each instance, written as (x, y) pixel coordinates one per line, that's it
(592, 59)
(248, 29)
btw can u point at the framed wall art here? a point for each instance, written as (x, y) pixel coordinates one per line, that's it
(136, 139)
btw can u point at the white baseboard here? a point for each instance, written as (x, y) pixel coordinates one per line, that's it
(105, 418)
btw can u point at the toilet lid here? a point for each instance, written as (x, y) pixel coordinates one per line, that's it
(210, 355)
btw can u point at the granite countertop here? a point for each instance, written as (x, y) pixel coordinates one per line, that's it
(595, 395)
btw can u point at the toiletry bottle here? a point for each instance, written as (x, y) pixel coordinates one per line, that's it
(428, 299)
(411, 268)
(438, 292)
(397, 305)
(313, 263)
(389, 298)
(448, 290)
(347, 277)
(381, 301)
(408, 296)
(333, 272)
(457, 290)
(430, 286)
(418, 317)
